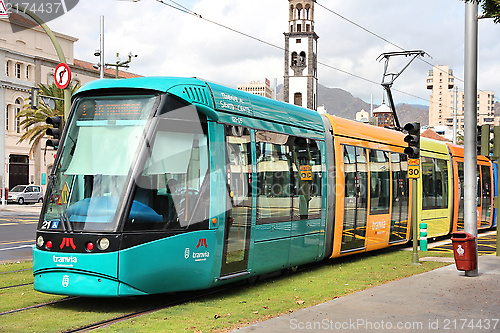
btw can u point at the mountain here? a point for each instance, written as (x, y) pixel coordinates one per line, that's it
(343, 104)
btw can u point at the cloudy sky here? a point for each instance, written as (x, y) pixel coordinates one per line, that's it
(170, 42)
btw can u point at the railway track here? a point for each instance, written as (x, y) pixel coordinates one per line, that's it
(185, 297)
(16, 286)
(39, 305)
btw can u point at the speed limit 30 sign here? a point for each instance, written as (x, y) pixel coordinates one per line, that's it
(413, 168)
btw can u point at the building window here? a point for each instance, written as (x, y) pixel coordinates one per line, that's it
(18, 120)
(6, 117)
(297, 99)
(7, 68)
(298, 41)
(18, 70)
(28, 72)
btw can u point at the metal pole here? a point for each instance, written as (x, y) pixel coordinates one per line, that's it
(455, 125)
(414, 221)
(101, 56)
(470, 122)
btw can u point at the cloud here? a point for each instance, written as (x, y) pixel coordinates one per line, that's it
(170, 42)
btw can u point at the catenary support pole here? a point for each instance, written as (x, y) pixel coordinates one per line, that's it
(470, 122)
(455, 122)
(101, 54)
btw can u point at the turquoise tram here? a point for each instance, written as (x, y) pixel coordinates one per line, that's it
(169, 184)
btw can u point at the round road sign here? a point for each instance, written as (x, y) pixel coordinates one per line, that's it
(62, 76)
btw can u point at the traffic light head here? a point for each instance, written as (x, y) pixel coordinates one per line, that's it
(413, 140)
(496, 142)
(55, 131)
(485, 141)
(34, 92)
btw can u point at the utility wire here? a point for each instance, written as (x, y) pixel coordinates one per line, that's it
(190, 12)
(387, 41)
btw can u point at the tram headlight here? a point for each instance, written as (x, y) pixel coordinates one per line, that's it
(40, 241)
(103, 244)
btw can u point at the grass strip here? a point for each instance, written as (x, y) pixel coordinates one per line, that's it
(270, 298)
(221, 312)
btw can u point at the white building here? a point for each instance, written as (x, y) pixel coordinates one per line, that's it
(257, 88)
(28, 58)
(301, 49)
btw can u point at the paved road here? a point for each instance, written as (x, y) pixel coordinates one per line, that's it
(17, 231)
(486, 243)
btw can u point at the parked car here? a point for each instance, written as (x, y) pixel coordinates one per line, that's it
(25, 193)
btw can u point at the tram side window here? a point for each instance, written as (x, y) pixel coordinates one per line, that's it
(434, 183)
(379, 182)
(306, 164)
(274, 185)
(288, 178)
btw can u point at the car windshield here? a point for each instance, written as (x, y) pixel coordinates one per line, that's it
(98, 153)
(18, 188)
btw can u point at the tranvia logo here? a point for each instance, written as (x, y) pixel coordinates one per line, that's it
(67, 242)
(36, 10)
(202, 242)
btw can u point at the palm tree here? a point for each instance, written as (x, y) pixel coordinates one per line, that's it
(34, 120)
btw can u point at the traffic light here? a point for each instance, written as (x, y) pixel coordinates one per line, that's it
(496, 143)
(483, 140)
(34, 92)
(413, 140)
(55, 131)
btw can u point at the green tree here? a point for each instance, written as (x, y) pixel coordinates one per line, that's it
(33, 121)
(491, 9)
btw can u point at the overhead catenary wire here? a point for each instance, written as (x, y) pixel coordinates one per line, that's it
(387, 41)
(193, 13)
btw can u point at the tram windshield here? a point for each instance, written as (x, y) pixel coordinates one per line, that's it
(99, 149)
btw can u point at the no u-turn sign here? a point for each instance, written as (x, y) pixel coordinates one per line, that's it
(62, 76)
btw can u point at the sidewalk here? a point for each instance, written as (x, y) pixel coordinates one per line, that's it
(443, 300)
(22, 209)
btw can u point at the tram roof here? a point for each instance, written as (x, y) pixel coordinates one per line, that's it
(222, 99)
(458, 151)
(357, 130)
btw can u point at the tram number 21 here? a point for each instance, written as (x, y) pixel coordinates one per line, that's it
(413, 171)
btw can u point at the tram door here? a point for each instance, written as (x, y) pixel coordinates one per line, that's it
(356, 198)
(486, 196)
(400, 188)
(239, 200)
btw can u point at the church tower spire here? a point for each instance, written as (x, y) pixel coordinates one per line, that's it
(301, 64)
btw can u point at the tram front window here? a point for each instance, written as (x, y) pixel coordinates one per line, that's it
(98, 152)
(172, 188)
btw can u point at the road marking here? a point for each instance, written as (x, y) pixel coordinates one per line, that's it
(18, 242)
(16, 247)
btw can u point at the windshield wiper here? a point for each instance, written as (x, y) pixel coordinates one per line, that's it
(64, 218)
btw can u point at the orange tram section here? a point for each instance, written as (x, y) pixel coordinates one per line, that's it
(372, 195)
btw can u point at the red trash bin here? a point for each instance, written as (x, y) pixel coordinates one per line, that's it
(464, 250)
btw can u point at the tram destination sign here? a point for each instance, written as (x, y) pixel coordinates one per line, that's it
(413, 168)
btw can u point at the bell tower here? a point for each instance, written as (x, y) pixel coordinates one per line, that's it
(301, 64)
